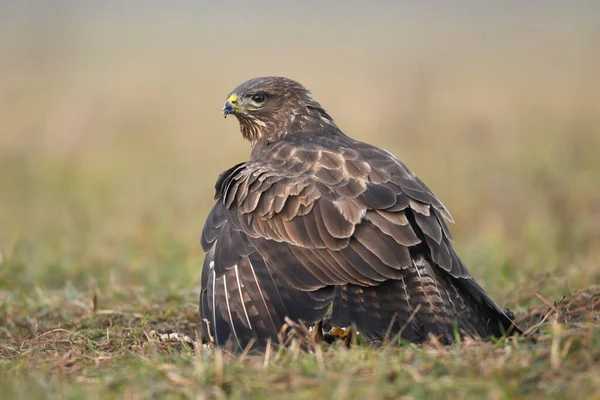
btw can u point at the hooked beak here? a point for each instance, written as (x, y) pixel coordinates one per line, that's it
(230, 105)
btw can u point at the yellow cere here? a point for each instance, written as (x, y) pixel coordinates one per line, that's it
(232, 99)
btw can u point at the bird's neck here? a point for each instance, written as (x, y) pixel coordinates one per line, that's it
(261, 133)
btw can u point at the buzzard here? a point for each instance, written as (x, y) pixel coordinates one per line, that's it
(316, 222)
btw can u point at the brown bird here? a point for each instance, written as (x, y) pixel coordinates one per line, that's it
(317, 222)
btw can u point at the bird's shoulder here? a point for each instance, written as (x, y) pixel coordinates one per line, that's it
(318, 165)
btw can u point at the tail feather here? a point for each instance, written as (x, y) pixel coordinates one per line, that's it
(425, 302)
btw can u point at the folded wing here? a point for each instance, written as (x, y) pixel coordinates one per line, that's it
(324, 211)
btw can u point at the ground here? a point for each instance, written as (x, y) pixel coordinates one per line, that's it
(111, 139)
(58, 344)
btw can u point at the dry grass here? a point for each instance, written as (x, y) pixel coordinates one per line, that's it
(59, 346)
(111, 139)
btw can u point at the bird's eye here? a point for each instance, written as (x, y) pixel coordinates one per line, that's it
(258, 98)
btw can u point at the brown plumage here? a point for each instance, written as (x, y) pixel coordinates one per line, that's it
(316, 219)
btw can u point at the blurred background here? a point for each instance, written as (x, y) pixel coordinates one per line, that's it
(111, 133)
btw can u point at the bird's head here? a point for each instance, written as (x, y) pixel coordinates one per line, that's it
(268, 108)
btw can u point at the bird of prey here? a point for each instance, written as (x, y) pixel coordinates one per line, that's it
(316, 222)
